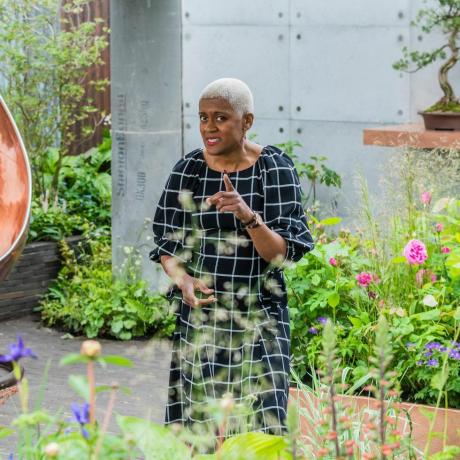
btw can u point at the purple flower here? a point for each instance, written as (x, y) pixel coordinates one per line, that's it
(410, 345)
(81, 415)
(455, 354)
(428, 354)
(419, 362)
(433, 346)
(432, 362)
(321, 319)
(17, 351)
(313, 330)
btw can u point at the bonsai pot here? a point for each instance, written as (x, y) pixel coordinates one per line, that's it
(441, 121)
(7, 378)
(7, 381)
(446, 419)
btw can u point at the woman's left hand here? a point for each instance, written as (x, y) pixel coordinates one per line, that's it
(231, 201)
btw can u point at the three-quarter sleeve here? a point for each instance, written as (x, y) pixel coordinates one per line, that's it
(172, 221)
(283, 209)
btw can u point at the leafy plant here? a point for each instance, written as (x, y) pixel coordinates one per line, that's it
(86, 299)
(352, 279)
(46, 51)
(316, 172)
(443, 15)
(85, 191)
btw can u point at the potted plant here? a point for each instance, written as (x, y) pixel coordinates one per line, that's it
(444, 15)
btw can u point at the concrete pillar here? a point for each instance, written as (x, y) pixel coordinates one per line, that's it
(146, 98)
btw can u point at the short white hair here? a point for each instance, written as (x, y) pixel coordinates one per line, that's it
(235, 91)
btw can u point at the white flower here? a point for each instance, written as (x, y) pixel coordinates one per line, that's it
(430, 301)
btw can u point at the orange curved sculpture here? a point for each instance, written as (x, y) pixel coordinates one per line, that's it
(15, 192)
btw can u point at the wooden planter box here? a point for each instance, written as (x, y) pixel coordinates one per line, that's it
(445, 418)
(37, 266)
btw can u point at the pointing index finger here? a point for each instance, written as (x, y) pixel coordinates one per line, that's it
(228, 183)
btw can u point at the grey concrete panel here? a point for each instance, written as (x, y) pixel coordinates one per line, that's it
(270, 131)
(266, 131)
(355, 13)
(341, 143)
(145, 62)
(148, 165)
(146, 117)
(345, 73)
(257, 55)
(192, 137)
(241, 12)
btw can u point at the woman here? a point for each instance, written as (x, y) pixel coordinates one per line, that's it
(224, 244)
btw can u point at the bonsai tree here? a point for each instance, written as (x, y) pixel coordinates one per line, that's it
(446, 17)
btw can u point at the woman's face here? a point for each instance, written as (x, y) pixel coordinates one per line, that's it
(222, 128)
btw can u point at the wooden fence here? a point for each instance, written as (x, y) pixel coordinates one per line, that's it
(101, 99)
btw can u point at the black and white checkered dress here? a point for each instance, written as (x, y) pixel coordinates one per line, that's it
(241, 343)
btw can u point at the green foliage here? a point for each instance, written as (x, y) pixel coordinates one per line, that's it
(449, 107)
(85, 190)
(44, 58)
(153, 441)
(338, 429)
(316, 172)
(85, 299)
(421, 303)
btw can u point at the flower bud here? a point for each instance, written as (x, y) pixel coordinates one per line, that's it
(52, 450)
(227, 403)
(90, 348)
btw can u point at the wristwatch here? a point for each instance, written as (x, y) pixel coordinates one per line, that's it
(255, 221)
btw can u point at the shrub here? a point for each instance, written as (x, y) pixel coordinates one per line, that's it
(86, 299)
(85, 191)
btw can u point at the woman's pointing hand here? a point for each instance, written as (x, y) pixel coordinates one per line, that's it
(230, 201)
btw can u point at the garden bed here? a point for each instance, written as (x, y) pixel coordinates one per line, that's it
(446, 421)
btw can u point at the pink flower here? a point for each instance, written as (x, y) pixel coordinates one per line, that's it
(375, 278)
(439, 227)
(445, 250)
(426, 197)
(415, 252)
(333, 262)
(364, 279)
(423, 275)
